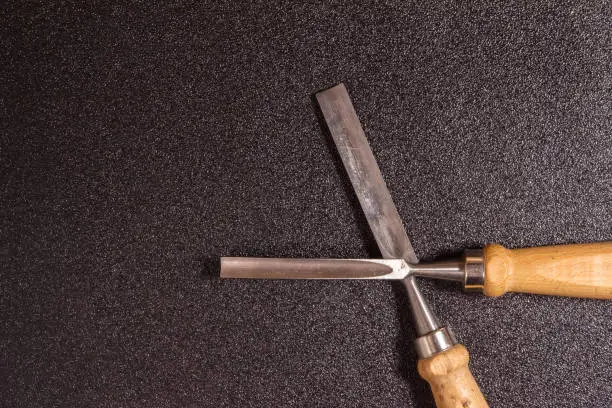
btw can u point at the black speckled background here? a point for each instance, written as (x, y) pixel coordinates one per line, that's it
(141, 142)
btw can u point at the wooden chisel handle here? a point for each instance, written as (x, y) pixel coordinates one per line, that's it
(451, 381)
(580, 270)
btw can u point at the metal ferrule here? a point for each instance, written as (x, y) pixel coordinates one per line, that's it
(474, 271)
(434, 342)
(469, 270)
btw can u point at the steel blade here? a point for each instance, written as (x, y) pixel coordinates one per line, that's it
(283, 268)
(365, 175)
(373, 194)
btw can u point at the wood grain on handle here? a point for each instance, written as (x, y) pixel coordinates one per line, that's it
(451, 381)
(580, 270)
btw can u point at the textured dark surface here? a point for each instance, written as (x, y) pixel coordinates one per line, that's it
(140, 143)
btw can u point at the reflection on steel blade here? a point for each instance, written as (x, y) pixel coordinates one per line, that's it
(283, 268)
(359, 161)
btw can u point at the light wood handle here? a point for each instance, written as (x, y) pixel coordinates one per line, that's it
(451, 381)
(581, 270)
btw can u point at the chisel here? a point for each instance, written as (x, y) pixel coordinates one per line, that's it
(579, 270)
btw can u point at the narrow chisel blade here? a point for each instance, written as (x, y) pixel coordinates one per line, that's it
(283, 268)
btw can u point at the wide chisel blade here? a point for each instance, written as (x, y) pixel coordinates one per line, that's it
(359, 161)
(284, 268)
(373, 194)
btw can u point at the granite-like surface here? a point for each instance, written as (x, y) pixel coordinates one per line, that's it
(140, 142)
